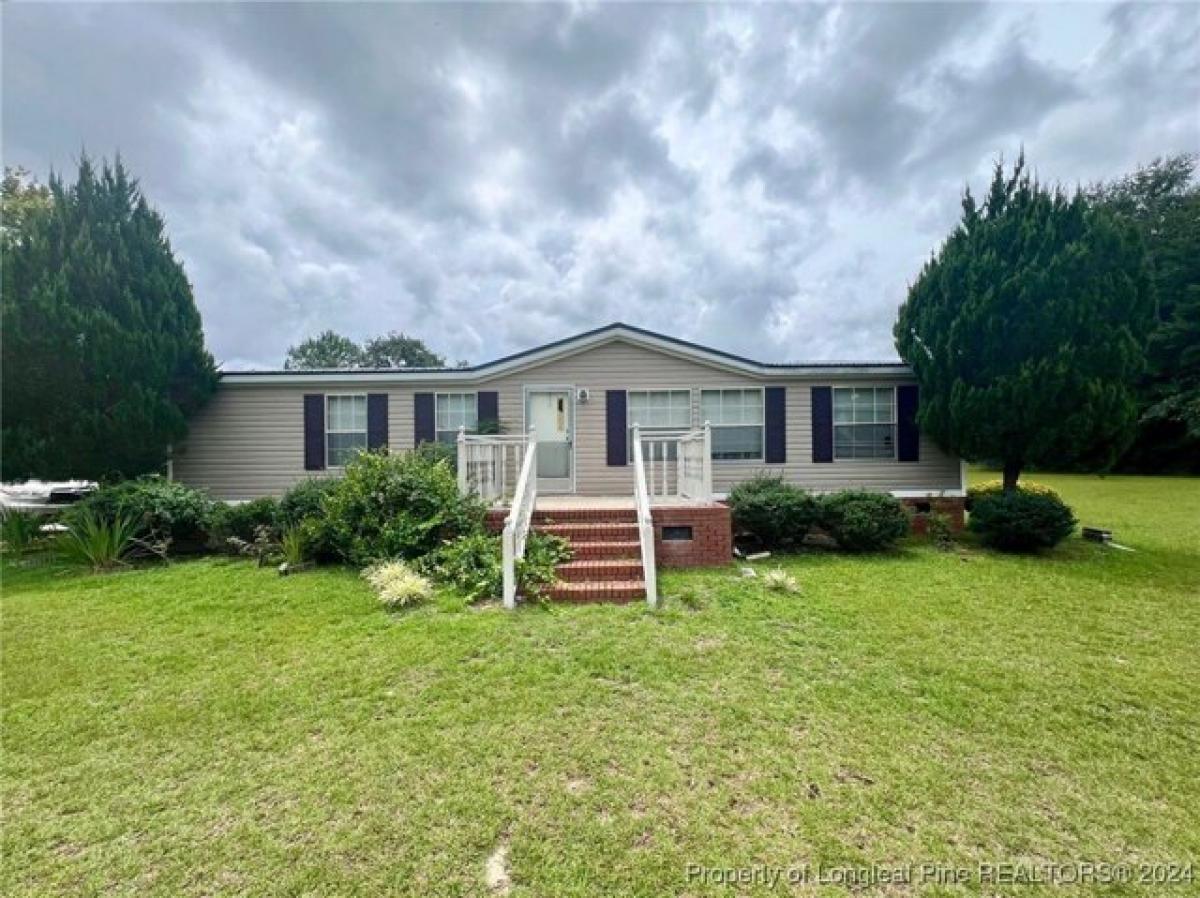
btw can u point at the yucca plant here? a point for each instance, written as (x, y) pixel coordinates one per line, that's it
(101, 543)
(19, 531)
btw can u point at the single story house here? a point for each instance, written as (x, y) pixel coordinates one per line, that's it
(823, 425)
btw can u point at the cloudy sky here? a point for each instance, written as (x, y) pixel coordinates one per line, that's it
(765, 179)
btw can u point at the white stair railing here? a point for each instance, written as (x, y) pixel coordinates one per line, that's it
(489, 464)
(695, 464)
(677, 463)
(644, 520)
(516, 525)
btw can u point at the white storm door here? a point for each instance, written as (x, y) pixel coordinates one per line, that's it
(549, 412)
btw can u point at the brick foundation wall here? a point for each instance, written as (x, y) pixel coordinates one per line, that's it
(955, 509)
(712, 535)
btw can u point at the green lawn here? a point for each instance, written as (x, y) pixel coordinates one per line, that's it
(212, 728)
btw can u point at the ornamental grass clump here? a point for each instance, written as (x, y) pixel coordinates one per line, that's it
(779, 580)
(20, 531)
(100, 543)
(397, 584)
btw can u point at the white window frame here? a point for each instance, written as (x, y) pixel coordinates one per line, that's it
(762, 425)
(652, 428)
(437, 397)
(329, 429)
(892, 423)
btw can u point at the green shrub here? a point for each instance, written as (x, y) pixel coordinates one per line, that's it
(474, 565)
(861, 521)
(995, 487)
(1021, 521)
(435, 452)
(302, 507)
(20, 531)
(305, 500)
(159, 509)
(774, 512)
(397, 506)
(940, 530)
(242, 520)
(397, 584)
(99, 542)
(537, 571)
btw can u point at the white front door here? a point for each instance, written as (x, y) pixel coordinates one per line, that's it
(550, 412)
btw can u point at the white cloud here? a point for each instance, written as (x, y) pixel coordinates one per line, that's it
(765, 179)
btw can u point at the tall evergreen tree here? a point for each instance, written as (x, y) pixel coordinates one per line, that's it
(1027, 328)
(1162, 200)
(104, 354)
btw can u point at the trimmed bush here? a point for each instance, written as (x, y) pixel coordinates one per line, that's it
(772, 511)
(242, 521)
(474, 565)
(305, 500)
(996, 487)
(397, 584)
(157, 508)
(1021, 521)
(861, 521)
(397, 506)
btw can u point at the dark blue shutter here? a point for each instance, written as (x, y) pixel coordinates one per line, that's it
(377, 420)
(822, 424)
(776, 425)
(314, 432)
(615, 427)
(908, 438)
(424, 426)
(487, 408)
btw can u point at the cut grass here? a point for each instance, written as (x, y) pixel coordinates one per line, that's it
(212, 728)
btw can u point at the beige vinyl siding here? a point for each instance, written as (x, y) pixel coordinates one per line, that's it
(249, 441)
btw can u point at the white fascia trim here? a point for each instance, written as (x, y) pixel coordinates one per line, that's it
(539, 357)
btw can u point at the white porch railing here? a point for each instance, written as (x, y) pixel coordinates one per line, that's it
(489, 464)
(516, 525)
(678, 464)
(645, 522)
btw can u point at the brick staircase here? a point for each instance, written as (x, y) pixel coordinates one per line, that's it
(607, 561)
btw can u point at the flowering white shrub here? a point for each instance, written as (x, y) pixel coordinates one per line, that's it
(397, 585)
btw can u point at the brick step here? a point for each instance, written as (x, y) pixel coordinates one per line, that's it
(578, 534)
(586, 516)
(607, 549)
(593, 569)
(599, 591)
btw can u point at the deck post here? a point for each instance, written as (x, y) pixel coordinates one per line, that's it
(463, 484)
(706, 464)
